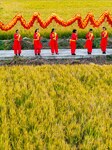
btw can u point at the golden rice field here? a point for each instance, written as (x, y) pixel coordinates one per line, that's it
(56, 107)
(66, 9)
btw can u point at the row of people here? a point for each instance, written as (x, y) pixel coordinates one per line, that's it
(53, 43)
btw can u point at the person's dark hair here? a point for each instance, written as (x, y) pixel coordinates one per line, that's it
(16, 30)
(52, 30)
(105, 28)
(36, 30)
(90, 29)
(74, 30)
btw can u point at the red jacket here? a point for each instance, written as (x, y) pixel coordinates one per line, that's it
(53, 39)
(73, 38)
(17, 37)
(54, 36)
(90, 36)
(36, 36)
(104, 35)
(37, 43)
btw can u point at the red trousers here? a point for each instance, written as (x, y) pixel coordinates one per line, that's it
(54, 46)
(73, 47)
(103, 44)
(37, 51)
(37, 47)
(89, 45)
(17, 47)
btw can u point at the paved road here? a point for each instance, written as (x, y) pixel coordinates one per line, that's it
(46, 54)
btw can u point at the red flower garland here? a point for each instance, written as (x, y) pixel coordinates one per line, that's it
(36, 17)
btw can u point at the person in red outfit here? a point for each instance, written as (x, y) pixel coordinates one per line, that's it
(89, 41)
(37, 43)
(53, 42)
(17, 43)
(73, 40)
(104, 38)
